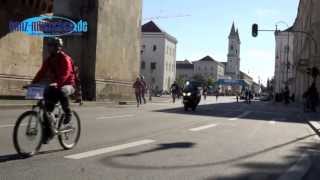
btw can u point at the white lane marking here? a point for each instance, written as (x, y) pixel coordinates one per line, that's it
(240, 116)
(109, 149)
(272, 122)
(10, 125)
(203, 127)
(113, 117)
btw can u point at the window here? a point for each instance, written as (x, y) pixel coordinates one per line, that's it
(143, 65)
(231, 47)
(153, 80)
(153, 66)
(154, 48)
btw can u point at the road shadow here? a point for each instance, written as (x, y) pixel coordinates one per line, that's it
(258, 110)
(162, 147)
(12, 157)
(271, 171)
(115, 162)
(15, 157)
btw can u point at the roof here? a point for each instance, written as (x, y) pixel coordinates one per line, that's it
(210, 59)
(150, 27)
(244, 74)
(234, 32)
(207, 58)
(184, 64)
(186, 61)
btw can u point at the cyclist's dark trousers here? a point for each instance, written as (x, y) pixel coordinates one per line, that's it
(52, 95)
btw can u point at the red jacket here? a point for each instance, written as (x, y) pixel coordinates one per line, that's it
(58, 69)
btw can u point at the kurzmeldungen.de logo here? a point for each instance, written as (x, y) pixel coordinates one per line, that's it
(49, 26)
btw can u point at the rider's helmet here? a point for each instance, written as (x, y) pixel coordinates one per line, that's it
(56, 41)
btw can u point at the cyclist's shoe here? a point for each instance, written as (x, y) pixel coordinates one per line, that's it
(66, 128)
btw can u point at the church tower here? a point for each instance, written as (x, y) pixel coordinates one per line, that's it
(233, 64)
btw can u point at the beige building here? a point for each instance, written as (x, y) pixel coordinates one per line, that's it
(283, 75)
(158, 57)
(208, 67)
(305, 53)
(185, 69)
(108, 54)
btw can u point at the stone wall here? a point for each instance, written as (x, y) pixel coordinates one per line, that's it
(109, 53)
(118, 47)
(20, 55)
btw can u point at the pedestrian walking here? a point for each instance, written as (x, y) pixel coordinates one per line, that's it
(237, 96)
(312, 98)
(137, 85)
(205, 92)
(144, 89)
(78, 92)
(286, 95)
(174, 91)
(217, 95)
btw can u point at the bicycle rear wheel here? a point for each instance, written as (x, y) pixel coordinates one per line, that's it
(69, 137)
(28, 134)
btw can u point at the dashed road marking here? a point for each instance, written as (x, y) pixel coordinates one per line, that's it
(240, 116)
(10, 125)
(109, 149)
(114, 117)
(272, 122)
(202, 127)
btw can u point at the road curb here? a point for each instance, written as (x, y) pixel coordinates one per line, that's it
(315, 126)
(29, 105)
(298, 170)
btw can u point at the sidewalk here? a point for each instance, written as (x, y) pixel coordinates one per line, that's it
(8, 104)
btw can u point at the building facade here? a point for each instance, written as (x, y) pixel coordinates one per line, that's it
(283, 75)
(233, 63)
(305, 47)
(108, 54)
(158, 57)
(209, 68)
(185, 70)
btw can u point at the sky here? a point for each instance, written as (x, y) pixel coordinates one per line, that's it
(202, 28)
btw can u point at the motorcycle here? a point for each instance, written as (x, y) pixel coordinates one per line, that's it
(191, 95)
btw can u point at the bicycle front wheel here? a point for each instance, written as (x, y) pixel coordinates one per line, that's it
(70, 135)
(28, 134)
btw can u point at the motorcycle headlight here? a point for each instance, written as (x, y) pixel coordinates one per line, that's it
(189, 94)
(184, 94)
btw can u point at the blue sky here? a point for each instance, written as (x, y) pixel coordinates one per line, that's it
(206, 25)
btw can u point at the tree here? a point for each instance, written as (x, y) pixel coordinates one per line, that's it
(199, 78)
(210, 81)
(180, 80)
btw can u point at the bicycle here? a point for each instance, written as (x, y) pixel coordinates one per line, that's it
(33, 121)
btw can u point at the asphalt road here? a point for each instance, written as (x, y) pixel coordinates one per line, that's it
(222, 140)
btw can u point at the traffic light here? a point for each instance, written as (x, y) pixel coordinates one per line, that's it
(255, 30)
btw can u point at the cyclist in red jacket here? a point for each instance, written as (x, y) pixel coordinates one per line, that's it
(58, 71)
